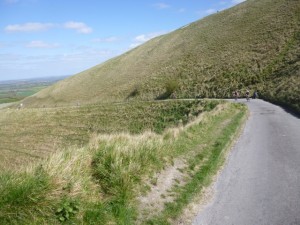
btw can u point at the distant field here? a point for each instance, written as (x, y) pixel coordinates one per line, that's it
(29, 134)
(16, 90)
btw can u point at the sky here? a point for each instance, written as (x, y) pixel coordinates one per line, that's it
(42, 38)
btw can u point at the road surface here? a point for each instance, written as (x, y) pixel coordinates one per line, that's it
(260, 183)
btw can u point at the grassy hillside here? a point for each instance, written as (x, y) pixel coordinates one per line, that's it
(31, 134)
(248, 46)
(102, 182)
(282, 85)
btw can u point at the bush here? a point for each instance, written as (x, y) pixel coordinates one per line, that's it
(171, 86)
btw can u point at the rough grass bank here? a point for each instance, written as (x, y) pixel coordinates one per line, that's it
(103, 183)
(32, 134)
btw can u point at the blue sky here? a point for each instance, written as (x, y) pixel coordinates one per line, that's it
(40, 38)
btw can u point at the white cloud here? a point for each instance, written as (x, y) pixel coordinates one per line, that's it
(143, 37)
(41, 44)
(140, 39)
(161, 5)
(109, 39)
(237, 1)
(210, 11)
(78, 26)
(133, 45)
(28, 27)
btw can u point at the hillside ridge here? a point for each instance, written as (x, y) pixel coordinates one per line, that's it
(238, 48)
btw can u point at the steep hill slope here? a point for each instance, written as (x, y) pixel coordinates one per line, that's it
(238, 48)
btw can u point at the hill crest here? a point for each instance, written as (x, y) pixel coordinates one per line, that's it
(231, 49)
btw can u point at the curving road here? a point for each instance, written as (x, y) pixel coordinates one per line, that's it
(260, 184)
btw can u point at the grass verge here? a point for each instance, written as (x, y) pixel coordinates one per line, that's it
(123, 164)
(210, 159)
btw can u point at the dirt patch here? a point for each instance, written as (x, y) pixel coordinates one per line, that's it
(161, 189)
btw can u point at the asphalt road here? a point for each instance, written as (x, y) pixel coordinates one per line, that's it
(260, 183)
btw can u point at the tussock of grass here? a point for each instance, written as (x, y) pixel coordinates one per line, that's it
(45, 192)
(23, 197)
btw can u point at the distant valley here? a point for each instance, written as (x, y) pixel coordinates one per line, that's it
(16, 90)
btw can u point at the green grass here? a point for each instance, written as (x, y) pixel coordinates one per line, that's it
(100, 182)
(30, 134)
(210, 159)
(282, 81)
(23, 197)
(120, 170)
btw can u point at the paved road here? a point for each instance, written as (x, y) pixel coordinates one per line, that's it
(260, 184)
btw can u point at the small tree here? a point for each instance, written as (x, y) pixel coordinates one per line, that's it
(171, 86)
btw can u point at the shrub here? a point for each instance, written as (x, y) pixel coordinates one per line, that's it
(171, 86)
